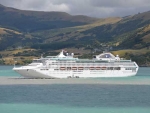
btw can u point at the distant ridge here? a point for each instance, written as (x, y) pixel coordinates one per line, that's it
(36, 20)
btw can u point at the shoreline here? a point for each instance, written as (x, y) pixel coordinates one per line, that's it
(76, 81)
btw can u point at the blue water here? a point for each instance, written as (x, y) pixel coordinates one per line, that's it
(69, 98)
(7, 71)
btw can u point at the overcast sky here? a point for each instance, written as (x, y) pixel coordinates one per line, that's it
(94, 8)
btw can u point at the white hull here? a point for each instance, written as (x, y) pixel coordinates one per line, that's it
(31, 73)
(37, 73)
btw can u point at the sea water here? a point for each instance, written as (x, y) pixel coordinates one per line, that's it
(7, 71)
(76, 98)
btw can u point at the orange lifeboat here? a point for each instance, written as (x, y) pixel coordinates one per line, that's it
(103, 68)
(92, 68)
(80, 68)
(62, 68)
(74, 68)
(98, 68)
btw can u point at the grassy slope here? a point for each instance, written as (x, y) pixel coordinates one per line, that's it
(146, 38)
(137, 39)
(122, 53)
(64, 34)
(100, 22)
(9, 59)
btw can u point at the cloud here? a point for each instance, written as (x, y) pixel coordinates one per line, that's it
(94, 8)
(120, 3)
(38, 5)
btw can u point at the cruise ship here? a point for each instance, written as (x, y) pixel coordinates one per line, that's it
(64, 65)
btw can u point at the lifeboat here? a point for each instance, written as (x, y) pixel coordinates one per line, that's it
(62, 68)
(103, 68)
(98, 68)
(92, 68)
(80, 68)
(74, 68)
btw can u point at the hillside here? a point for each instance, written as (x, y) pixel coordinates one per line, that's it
(28, 21)
(75, 34)
(42, 29)
(119, 33)
(12, 39)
